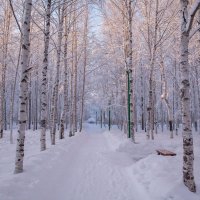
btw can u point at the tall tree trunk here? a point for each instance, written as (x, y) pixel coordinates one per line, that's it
(188, 153)
(44, 83)
(197, 76)
(36, 103)
(6, 33)
(55, 93)
(13, 96)
(29, 104)
(63, 117)
(142, 98)
(198, 94)
(152, 52)
(164, 97)
(71, 114)
(150, 106)
(75, 75)
(84, 69)
(71, 122)
(23, 86)
(130, 68)
(1, 109)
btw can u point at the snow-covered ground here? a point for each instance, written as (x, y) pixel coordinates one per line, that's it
(97, 165)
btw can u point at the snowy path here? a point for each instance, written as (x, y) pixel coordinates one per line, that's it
(96, 165)
(85, 173)
(84, 167)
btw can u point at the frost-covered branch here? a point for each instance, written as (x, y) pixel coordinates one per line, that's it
(191, 14)
(194, 31)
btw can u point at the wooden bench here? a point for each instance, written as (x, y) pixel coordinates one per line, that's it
(165, 152)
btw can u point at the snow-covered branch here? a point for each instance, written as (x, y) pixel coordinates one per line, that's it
(192, 33)
(191, 15)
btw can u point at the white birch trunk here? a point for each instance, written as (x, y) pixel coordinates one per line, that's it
(75, 75)
(188, 153)
(142, 99)
(63, 117)
(130, 67)
(164, 97)
(7, 24)
(43, 121)
(1, 110)
(84, 70)
(55, 93)
(23, 86)
(11, 113)
(150, 106)
(71, 114)
(71, 103)
(152, 52)
(5, 41)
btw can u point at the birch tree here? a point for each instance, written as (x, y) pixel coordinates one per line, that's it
(44, 77)
(4, 63)
(66, 70)
(187, 18)
(61, 9)
(1, 109)
(23, 86)
(84, 66)
(129, 61)
(164, 97)
(75, 38)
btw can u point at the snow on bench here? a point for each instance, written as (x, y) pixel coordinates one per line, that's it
(165, 152)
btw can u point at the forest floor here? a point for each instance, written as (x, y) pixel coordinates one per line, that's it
(97, 165)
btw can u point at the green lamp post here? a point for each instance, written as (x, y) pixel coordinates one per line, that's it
(109, 116)
(129, 101)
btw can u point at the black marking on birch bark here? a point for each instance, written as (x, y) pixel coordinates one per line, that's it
(148, 108)
(186, 82)
(183, 62)
(24, 46)
(182, 93)
(24, 80)
(43, 123)
(184, 18)
(185, 158)
(186, 129)
(27, 70)
(187, 142)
